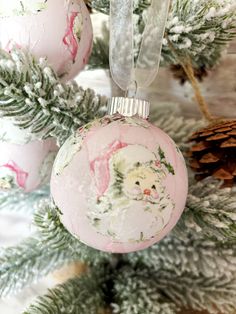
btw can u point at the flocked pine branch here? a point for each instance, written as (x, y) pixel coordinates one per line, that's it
(199, 29)
(169, 118)
(141, 290)
(144, 291)
(193, 255)
(103, 6)
(100, 54)
(163, 279)
(79, 295)
(210, 211)
(26, 263)
(138, 293)
(16, 200)
(51, 247)
(33, 95)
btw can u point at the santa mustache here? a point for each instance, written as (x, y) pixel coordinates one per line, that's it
(146, 195)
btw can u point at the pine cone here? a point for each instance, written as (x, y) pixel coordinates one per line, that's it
(180, 74)
(214, 152)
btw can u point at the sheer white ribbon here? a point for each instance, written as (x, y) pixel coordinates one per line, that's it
(123, 70)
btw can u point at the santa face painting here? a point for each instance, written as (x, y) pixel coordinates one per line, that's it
(135, 189)
(119, 184)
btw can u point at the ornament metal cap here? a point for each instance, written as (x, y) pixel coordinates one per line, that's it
(129, 107)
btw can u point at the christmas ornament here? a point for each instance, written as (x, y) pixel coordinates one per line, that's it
(120, 183)
(25, 162)
(59, 30)
(213, 153)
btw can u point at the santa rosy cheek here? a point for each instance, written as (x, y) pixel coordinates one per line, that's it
(155, 195)
(135, 191)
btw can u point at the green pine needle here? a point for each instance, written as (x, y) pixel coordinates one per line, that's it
(142, 291)
(26, 263)
(19, 201)
(82, 295)
(210, 211)
(32, 94)
(199, 29)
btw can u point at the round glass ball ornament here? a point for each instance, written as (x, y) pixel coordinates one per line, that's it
(119, 183)
(25, 162)
(59, 30)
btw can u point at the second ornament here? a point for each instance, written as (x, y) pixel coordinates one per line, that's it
(58, 30)
(25, 161)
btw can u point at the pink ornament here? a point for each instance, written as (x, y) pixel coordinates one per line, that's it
(59, 30)
(25, 162)
(21, 175)
(120, 184)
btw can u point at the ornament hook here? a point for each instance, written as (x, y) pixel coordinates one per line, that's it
(129, 107)
(132, 89)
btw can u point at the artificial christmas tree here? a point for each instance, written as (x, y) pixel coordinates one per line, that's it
(194, 267)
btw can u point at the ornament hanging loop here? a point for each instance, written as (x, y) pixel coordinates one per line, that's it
(121, 55)
(132, 90)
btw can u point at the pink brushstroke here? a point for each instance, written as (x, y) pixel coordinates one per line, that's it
(12, 44)
(21, 175)
(100, 167)
(70, 39)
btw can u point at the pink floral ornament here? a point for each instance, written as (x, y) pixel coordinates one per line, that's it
(25, 162)
(21, 175)
(60, 31)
